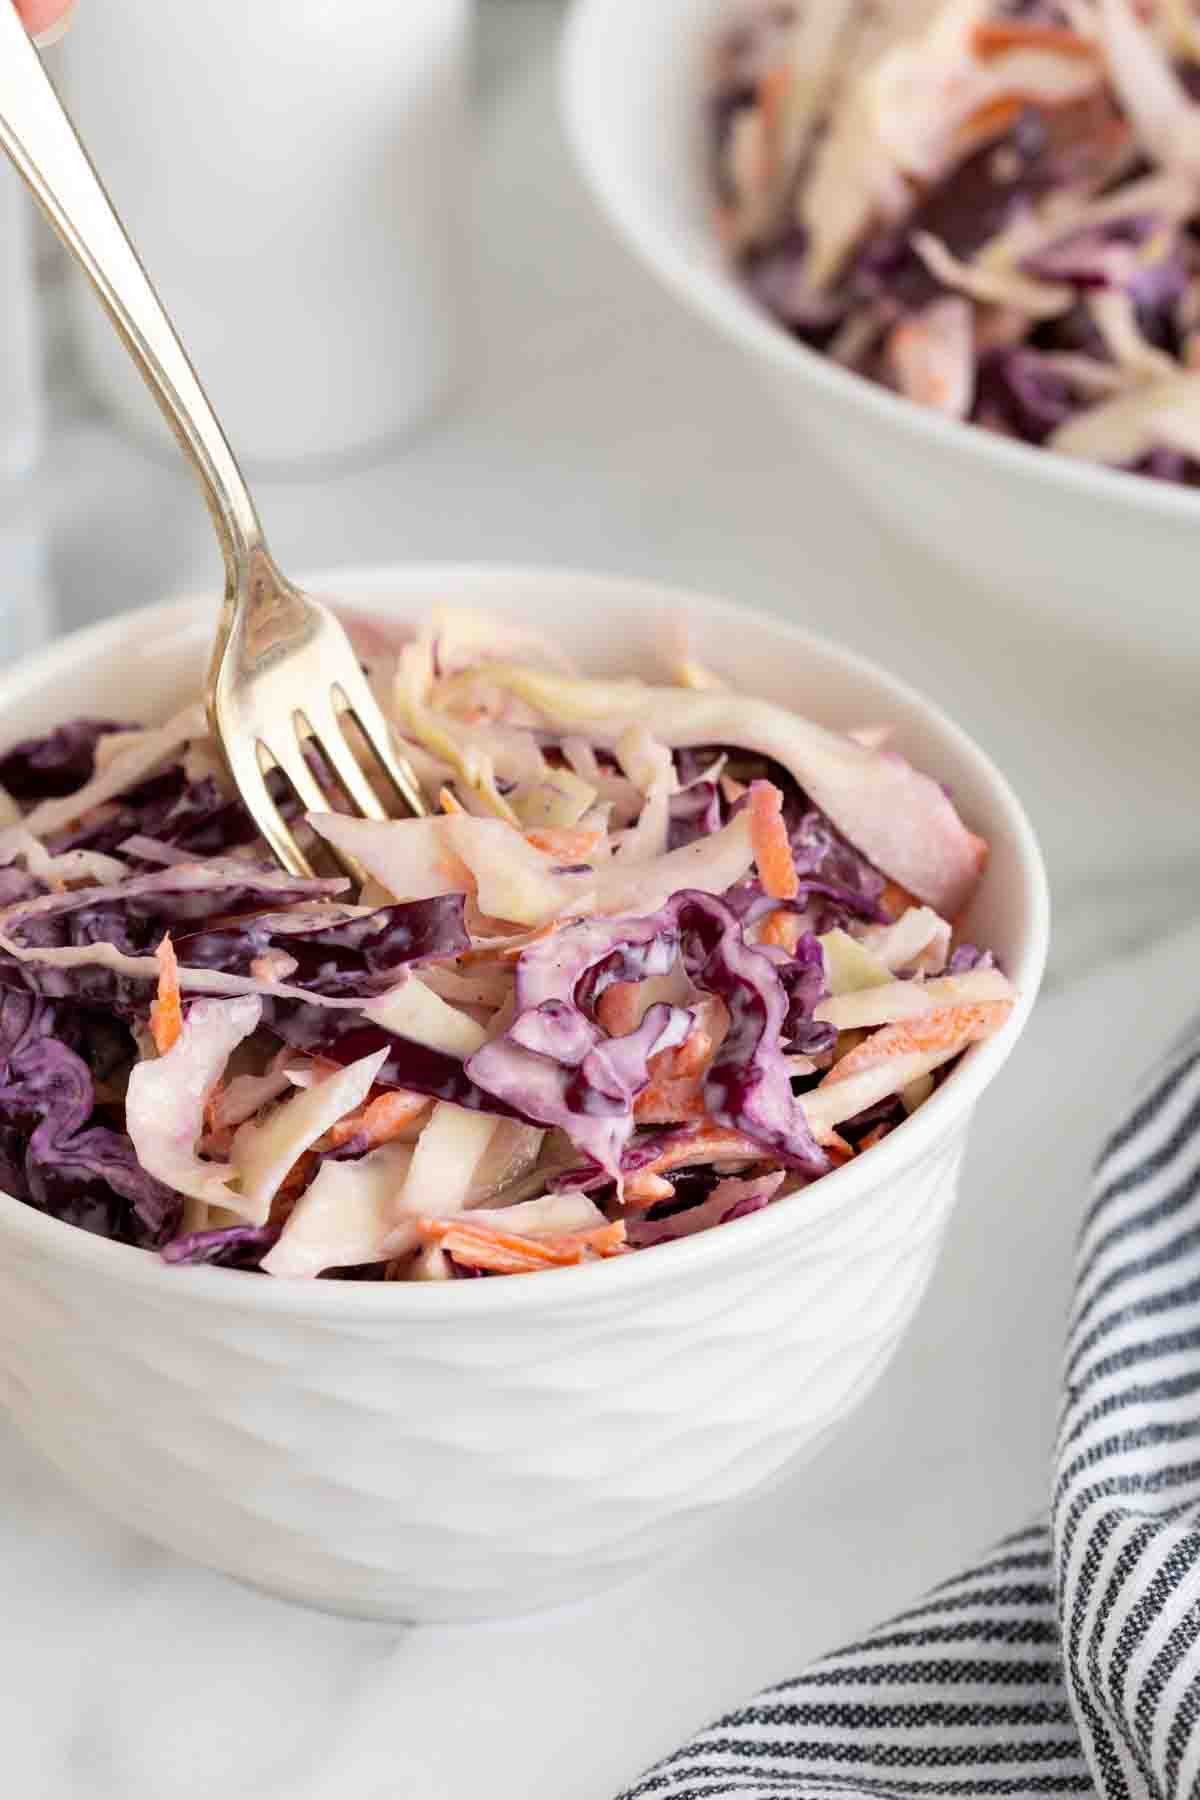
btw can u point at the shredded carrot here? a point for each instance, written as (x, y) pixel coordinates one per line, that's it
(379, 1120)
(210, 1106)
(675, 1094)
(995, 37)
(292, 1186)
(671, 1101)
(896, 900)
(705, 1142)
(947, 1028)
(731, 789)
(512, 1252)
(772, 94)
(649, 1190)
(695, 1053)
(998, 114)
(990, 120)
(769, 840)
(617, 1009)
(692, 1057)
(565, 842)
(166, 1012)
(784, 929)
(605, 1240)
(449, 802)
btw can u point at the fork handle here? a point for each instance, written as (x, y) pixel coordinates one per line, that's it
(40, 139)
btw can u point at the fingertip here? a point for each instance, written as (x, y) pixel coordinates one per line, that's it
(46, 20)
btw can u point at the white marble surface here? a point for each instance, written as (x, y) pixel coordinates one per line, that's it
(600, 427)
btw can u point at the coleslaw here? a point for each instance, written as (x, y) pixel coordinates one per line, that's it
(990, 206)
(659, 955)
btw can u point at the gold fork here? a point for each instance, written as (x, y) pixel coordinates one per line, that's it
(284, 679)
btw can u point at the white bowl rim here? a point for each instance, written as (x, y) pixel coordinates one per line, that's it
(248, 1291)
(728, 309)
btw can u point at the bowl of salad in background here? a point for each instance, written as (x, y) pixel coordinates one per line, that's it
(960, 237)
(455, 1448)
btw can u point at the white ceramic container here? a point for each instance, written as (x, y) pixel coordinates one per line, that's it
(488, 1448)
(293, 176)
(1116, 551)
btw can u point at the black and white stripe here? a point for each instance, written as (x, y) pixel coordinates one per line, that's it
(1127, 1496)
(1068, 1660)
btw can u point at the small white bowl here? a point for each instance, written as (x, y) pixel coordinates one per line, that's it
(1116, 551)
(493, 1447)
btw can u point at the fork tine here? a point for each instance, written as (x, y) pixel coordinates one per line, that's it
(284, 674)
(288, 753)
(365, 710)
(330, 739)
(242, 756)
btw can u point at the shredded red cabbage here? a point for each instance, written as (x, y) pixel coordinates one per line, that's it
(555, 1067)
(747, 1086)
(234, 1247)
(52, 1152)
(47, 768)
(357, 956)
(134, 918)
(695, 812)
(344, 1038)
(968, 957)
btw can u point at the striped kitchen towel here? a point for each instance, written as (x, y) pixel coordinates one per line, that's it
(1067, 1661)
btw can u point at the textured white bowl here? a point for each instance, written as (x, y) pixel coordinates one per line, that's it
(1116, 551)
(489, 1448)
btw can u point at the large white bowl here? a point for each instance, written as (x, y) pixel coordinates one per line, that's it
(1115, 550)
(492, 1447)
